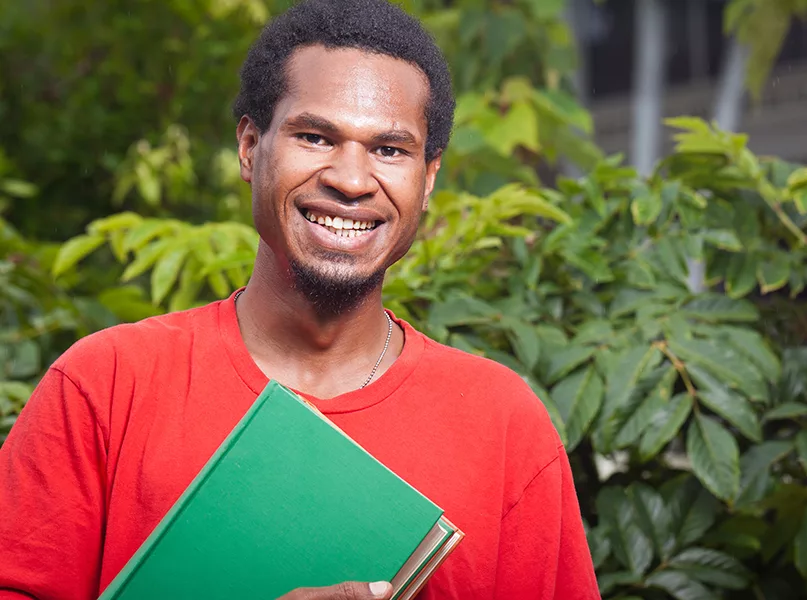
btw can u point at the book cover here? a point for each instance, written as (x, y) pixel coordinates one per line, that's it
(287, 501)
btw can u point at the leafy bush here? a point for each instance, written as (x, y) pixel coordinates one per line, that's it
(660, 320)
(699, 419)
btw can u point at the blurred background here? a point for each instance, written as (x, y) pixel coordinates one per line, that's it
(621, 218)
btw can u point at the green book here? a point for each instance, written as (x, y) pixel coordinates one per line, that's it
(288, 500)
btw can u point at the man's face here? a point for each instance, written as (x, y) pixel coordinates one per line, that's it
(339, 180)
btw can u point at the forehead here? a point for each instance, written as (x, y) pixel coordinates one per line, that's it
(352, 87)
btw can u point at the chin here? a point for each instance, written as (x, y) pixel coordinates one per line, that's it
(335, 288)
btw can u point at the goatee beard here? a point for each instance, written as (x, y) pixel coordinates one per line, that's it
(332, 295)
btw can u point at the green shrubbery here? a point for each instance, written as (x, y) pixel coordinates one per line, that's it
(651, 316)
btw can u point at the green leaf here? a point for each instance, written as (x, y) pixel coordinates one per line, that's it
(726, 364)
(693, 510)
(633, 421)
(566, 360)
(800, 547)
(773, 273)
(653, 517)
(788, 410)
(165, 273)
(664, 425)
(564, 108)
(712, 567)
(146, 258)
(715, 457)
(801, 448)
(671, 259)
(646, 207)
(118, 222)
(751, 344)
(219, 284)
(140, 235)
(526, 344)
(735, 409)
(26, 361)
(551, 408)
(758, 461)
(741, 276)
(74, 250)
(608, 582)
(594, 332)
(599, 545)
(797, 179)
(128, 303)
(714, 308)
(519, 127)
(18, 188)
(800, 201)
(724, 239)
(515, 200)
(630, 545)
(679, 585)
(546, 9)
(578, 398)
(461, 310)
(622, 381)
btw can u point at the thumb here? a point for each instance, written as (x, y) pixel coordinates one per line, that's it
(350, 590)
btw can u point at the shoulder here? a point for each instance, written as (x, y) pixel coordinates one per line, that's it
(130, 346)
(495, 391)
(483, 374)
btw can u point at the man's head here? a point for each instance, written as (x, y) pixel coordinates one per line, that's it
(345, 109)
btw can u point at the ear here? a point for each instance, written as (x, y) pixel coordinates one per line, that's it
(432, 168)
(248, 138)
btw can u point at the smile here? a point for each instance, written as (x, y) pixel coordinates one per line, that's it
(340, 226)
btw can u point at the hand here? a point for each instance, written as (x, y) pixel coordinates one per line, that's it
(352, 590)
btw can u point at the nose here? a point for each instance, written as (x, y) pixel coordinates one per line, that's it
(350, 173)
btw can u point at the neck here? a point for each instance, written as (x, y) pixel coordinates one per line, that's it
(320, 354)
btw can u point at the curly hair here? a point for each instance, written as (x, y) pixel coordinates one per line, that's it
(372, 25)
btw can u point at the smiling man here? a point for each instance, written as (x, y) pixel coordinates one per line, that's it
(344, 111)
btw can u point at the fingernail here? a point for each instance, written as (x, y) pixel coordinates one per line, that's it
(379, 589)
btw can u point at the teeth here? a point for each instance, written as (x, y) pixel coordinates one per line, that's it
(342, 227)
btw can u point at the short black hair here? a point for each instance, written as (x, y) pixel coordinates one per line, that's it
(372, 25)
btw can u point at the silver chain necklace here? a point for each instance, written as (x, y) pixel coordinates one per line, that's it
(380, 358)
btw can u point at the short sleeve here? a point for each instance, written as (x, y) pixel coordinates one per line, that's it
(52, 496)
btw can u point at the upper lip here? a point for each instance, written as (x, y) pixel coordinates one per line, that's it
(335, 209)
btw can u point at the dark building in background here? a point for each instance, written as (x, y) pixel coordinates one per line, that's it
(695, 54)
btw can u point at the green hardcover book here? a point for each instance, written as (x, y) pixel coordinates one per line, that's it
(287, 501)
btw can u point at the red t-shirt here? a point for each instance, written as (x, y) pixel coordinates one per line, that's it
(125, 419)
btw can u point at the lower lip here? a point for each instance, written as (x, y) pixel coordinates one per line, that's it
(338, 242)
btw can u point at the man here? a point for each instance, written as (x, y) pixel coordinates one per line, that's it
(344, 111)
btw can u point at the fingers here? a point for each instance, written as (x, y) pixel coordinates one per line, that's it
(351, 590)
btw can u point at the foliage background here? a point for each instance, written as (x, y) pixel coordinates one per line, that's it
(685, 414)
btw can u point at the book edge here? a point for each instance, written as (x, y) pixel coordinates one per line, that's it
(430, 566)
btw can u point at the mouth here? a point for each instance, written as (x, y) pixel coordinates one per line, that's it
(340, 226)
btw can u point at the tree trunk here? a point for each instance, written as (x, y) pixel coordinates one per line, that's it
(649, 70)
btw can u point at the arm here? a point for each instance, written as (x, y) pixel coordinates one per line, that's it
(543, 553)
(52, 496)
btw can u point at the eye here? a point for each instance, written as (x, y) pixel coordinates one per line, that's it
(312, 138)
(390, 151)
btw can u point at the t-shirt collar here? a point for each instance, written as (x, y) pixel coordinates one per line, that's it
(377, 391)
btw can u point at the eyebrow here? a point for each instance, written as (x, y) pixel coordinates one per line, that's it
(398, 136)
(308, 120)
